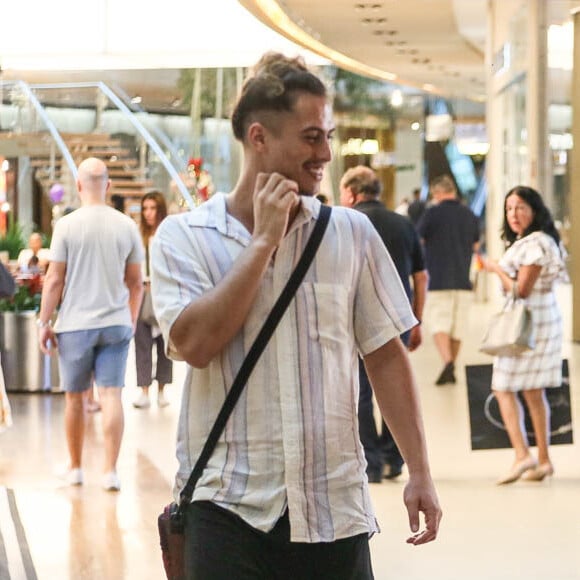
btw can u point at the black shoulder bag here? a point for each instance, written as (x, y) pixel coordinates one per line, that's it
(170, 522)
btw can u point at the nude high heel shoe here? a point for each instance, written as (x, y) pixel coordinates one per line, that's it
(539, 472)
(517, 470)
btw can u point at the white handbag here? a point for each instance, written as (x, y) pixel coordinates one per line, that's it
(511, 331)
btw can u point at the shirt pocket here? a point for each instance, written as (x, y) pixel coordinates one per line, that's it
(327, 311)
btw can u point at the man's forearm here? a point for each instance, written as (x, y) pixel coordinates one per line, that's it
(420, 282)
(390, 373)
(209, 323)
(135, 299)
(50, 299)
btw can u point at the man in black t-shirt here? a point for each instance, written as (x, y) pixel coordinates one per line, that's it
(450, 234)
(417, 207)
(360, 189)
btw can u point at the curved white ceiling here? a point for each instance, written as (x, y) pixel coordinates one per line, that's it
(436, 45)
(127, 34)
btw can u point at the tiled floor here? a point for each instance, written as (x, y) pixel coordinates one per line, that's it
(526, 530)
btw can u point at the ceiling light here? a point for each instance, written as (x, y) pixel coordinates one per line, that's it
(396, 98)
(415, 126)
(360, 147)
(369, 5)
(561, 46)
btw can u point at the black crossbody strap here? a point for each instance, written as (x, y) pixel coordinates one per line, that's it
(255, 351)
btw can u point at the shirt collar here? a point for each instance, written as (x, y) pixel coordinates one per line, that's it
(309, 209)
(213, 214)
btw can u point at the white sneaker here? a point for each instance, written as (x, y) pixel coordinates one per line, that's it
(111, 481)
(142, 402)
(71, 476)
(161, 400)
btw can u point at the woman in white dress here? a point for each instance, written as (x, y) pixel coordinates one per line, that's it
(534, 261)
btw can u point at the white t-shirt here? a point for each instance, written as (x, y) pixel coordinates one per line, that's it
(25, 255)
(96, 242)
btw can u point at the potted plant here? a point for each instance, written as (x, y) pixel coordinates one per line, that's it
(25, 367)
(26, 297)
(13, 240)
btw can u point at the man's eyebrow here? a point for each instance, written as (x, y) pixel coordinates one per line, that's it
(318, 130)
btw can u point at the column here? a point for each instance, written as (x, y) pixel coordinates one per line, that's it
(575, 184)
(540, 171)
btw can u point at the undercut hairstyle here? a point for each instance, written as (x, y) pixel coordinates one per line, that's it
(361, 180)
(273, 86)
(542, 218)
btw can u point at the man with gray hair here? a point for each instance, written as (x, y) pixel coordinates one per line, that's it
(360, 189)
(95, 277)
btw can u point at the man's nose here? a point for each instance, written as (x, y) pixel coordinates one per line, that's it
(324, 152)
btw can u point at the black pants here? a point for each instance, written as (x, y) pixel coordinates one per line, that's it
(380, 449)
(221, 546)
(144, 342)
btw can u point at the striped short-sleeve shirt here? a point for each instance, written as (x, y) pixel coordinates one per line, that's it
(292, 440)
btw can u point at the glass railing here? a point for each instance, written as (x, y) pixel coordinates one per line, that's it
(175, 154)
(139, 152)
(27, 130)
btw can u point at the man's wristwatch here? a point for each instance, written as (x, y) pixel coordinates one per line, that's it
(42, 324)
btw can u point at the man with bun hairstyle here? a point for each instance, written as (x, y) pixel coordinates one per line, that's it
(285, 492)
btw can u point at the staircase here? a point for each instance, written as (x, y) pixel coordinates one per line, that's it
(128, 179)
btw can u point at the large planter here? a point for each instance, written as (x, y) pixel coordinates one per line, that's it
(25, 367)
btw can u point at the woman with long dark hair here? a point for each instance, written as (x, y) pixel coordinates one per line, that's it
(532, 264)
(147, 333)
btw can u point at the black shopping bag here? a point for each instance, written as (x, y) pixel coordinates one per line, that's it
(487, 429)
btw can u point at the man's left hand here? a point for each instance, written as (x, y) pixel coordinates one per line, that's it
(415, 338)
(47, 340)
(420, 496)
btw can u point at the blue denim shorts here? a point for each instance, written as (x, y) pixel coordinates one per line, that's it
(98, 353)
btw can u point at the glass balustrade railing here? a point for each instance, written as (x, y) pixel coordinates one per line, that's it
(71, 121)
(27, 131)
(137, 159)
(175, 154)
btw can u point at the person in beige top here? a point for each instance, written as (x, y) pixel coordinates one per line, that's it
(34, 249)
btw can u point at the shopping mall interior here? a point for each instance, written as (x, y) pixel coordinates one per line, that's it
(480, 89)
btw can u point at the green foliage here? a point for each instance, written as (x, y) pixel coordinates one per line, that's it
(13, 241)
(208, 89)
(360, 95)
(23, 299)
(354, 94)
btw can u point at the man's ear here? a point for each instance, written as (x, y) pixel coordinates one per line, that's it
(257, 136)
(352, 196)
